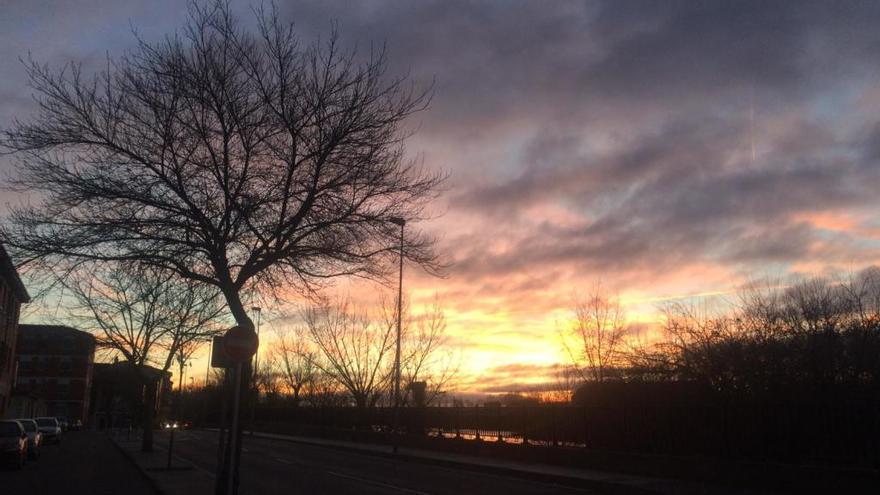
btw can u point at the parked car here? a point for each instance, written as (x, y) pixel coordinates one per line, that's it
(35, 438)
(13, 443)
(50, 429)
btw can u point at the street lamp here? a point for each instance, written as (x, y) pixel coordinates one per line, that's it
(259, 312)
(208, 367)
(401, 222)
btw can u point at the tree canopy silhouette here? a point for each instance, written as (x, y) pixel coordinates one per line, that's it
(147, 317)
(240, 160)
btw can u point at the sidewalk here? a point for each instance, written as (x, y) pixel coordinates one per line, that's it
(84, 463)
(605, 481)
(182, 479)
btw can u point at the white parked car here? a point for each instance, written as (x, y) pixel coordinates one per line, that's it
(50, 429)
(35, 438)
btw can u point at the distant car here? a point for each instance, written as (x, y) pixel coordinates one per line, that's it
(171, 424)
(50, 429)
(35, 438)
(13, 443)
(63, 423)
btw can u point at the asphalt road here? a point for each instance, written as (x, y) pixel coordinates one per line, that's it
(281, 467)
(85, 463)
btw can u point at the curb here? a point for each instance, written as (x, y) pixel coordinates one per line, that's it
(150, 481)
(606, 487)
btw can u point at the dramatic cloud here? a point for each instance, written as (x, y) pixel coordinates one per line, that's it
(666, 148)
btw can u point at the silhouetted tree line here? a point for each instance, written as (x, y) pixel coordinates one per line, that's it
(782, 371)
(817, 334)
(339, 356)
(777, 372)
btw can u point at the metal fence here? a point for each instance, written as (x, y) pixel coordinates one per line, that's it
(842, 434)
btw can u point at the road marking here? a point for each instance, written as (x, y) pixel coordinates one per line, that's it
(355, 478)
(376, 483)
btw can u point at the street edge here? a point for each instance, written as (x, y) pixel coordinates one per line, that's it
(606, 487)
(152, 482)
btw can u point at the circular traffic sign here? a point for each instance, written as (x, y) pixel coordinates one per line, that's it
(240, 343)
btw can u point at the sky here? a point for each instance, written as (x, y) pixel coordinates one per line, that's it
(667, 150)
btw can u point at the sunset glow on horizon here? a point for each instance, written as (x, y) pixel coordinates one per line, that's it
(670, 154)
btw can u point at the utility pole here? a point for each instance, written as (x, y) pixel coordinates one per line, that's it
(240, 343)
(208, 367)
(401, 222)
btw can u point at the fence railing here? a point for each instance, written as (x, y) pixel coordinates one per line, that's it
(828, 434)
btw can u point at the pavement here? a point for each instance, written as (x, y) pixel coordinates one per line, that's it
(84, 463)
(275, 464)
(178, 477)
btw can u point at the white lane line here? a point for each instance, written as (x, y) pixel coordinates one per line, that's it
(399, 489)
(377, 483)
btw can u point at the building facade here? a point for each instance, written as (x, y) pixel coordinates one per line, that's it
(119, 391)
(55, 364)
(12, 296)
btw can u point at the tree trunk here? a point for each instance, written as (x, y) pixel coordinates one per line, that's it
(233, 300)
(148, 400)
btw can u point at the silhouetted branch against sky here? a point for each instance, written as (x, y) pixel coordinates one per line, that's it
(354, 349)
(145, 316)
(594, 339)
(243, 160)
(675, 150)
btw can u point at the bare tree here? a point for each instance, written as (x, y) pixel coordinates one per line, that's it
(594, 339)
(244, 161)
(355, 349)
(148, 317)
(268, 378)
(425, 355)
(186, 350)
(295, 362)
(567, 379)
(694, 336)
(323, 391)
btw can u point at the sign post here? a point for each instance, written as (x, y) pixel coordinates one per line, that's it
(239, 345)
(236, 406)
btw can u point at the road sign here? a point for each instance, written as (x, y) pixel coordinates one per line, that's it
(218, 355)
(240, 343)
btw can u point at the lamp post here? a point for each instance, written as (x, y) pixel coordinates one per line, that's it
(256, 391)
(401, 222)
(208, 367)
(259, 313)
(182, 377)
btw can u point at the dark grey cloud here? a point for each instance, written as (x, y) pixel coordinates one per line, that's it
(636, 118)
(682, 203)
(517, 378)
